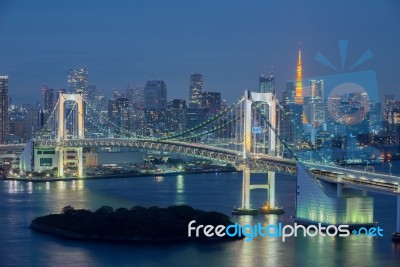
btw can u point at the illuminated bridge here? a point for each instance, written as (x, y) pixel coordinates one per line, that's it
(245, 135)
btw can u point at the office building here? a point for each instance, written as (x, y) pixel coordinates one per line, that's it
(78, 82)
(266, 84)
(155, 95)
(177, 115)
(4, 128)
(48, 102)
(211, 102)
(195, 90)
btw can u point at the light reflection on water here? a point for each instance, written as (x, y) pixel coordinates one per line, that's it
(21, 202)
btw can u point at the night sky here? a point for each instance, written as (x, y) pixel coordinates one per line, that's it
(230, 42)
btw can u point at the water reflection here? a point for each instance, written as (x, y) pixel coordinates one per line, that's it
(159, 178)
(29, 187)
(201, 191)
(180, 188)
(14, 187)
(319, 250)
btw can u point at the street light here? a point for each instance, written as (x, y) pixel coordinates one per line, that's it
(390, 169)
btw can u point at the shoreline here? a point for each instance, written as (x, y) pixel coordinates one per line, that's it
(116, 176)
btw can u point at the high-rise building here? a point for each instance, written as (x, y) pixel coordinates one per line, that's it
(290, 93)
(91, 94)
(374, 117)
(33, 122)
(155, 95)
(78, 81)
(314, 107)
(211, 102)
(317, 90)
(3, 108)
(194, 116)
(177, 115)
(136, 97)
(266, 84)
(48, 102)
(388, 111)
(299, 82)
(138, 122)
(291, 123)
(195, 90)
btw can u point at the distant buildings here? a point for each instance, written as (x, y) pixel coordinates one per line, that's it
(211, 102)
(78, 81)
(195, 90)
(48, 101)
(155, 95)
(136, 97)
(266, 84)
(314, 105)
(4, 128)
(176, 115)
(292, 117)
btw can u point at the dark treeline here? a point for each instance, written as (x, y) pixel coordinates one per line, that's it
(137, 223)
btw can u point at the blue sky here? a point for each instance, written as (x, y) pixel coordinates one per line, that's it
(230, 42)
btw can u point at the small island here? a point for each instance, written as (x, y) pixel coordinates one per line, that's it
(137, 225)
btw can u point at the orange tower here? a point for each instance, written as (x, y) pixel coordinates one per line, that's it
(299, 83)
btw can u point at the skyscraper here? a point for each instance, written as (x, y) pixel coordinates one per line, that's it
(266, 84)
(3, 108)
(195, 90)
(317, 90)
(48, 102)
(78, 81)
(314, 109)
(177, 115)
(290, 93)
(155, 95)
(299, 82)
(211, 102)
(136, 97)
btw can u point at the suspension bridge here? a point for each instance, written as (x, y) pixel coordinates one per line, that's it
(245, 135)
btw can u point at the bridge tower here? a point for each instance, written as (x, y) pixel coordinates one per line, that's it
(61, 150)
(270, 206)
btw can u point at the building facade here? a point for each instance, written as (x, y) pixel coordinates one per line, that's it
(195, 90)
(4, 127)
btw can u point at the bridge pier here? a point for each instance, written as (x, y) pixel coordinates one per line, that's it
(79, 155)
(246, 189)
(60, 161)
(271, 192)
(245, 208)
(339, 190)
(269, 207)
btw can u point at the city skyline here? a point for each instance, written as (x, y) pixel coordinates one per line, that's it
(158, 127)
(224, 50)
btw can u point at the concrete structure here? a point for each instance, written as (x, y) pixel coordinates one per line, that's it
(246, 207)
(61, 150)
